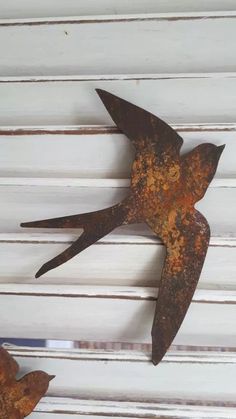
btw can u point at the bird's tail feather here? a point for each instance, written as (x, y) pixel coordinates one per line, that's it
(95, 225)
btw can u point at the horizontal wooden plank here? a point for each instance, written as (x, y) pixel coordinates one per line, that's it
(59, 8)
(132, 377)
(175, 98)
(117, 260)
(110, 314)
(25, 203)
(110, 409)
(93, 152)
(118, 45)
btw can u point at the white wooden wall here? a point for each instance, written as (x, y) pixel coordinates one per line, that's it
(60, 155)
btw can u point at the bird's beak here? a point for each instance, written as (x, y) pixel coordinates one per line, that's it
(51, 377)
(220, 149)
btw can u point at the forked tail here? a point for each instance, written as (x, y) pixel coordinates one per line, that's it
(95, 225)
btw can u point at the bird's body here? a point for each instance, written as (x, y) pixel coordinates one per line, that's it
(160, 185)
(164, 188)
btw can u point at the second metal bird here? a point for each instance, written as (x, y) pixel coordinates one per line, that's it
(164, 188)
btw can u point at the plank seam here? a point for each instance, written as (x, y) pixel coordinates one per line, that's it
(29, 238)
(117, 408)
(100, 130)
(107, 297)
(116, 77)
(111, 183)
(178, 356)
(169, 17)
(201, 296)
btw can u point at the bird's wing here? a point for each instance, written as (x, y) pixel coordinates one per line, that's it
(140, 126)
(187, 241)
(8, 367)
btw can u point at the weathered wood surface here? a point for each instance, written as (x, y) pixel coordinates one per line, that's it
(22, 203)
(121, 260)
(94, 152)
(46, 8)
(109, 409)
(179, 65)
(72, 100)
(202, 376)
(119, 44)
(120, 314)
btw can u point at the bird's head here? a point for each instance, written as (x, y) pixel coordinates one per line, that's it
(200, 166)
(36, 382)
(30, 389)
(209, 157)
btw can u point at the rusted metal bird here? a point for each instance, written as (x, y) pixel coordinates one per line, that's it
(164, 188)
(18, 398)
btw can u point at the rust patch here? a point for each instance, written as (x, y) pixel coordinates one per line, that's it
(19, 398)
(164, 188)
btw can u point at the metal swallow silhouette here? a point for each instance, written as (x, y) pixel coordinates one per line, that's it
(164, 188)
